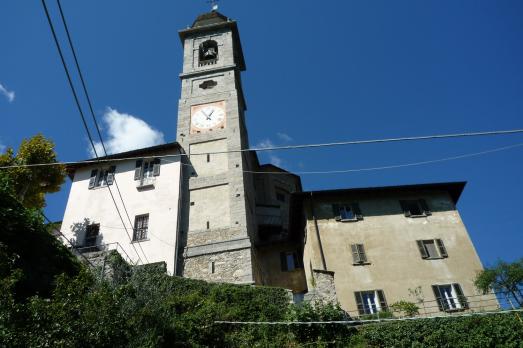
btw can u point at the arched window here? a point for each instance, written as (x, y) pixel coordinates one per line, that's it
(208, 53)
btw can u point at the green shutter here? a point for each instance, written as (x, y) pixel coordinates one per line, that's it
(424, 207)
(138, 170)
(156, 167)
(442, 249)
(361, 252)
(92, 179)
(437, 294)
(359, 303)
(355, 254)
(405, 208)
(383, 302)
(422, 250)
(357, 211)
(461, 298)
(336, 212)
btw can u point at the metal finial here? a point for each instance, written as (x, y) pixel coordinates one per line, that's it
(214, 4)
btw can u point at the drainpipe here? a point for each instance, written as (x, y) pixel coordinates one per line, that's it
(324, 264)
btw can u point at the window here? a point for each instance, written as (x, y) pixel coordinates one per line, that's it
(432, 249)
(208, 53)
(370, 302)
(280, 196)
(290, 261)
(450, 297)
(91, 235)
(102, 177)
(347, 212)
(358, 254)
(141, 225)
(415, 208)
(145, 170)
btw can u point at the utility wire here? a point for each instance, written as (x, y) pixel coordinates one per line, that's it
(274, 148)
(84, 87)
(80, 109)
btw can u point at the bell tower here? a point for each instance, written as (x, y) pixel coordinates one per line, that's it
(218, 207)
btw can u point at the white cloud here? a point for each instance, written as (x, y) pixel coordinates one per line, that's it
(126, 132)
(276, 160)
(10, 95)
(284, 136)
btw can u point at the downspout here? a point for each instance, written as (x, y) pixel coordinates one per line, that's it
(324, 264)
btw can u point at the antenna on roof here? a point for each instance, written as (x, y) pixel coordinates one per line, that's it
(214, 4)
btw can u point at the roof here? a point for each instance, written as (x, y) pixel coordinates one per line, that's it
(209, 18)
(453, 188)
(71, 168)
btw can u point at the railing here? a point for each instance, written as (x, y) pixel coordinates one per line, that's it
(268, 215)
(207, 62)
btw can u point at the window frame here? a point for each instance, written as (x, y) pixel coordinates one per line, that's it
(359, 255)
(101, 177)
(422, 206)
(439, 246)
(149, 165)
(138, 232)
(89, 236)
(459, 300)
(296, 258)
(379, 305)
(353, 207)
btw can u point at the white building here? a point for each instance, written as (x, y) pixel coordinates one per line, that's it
(144, 227)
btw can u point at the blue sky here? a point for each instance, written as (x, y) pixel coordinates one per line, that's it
(340, 71)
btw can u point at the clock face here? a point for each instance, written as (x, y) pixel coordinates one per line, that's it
(207, 117)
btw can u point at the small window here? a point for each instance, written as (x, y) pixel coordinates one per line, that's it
(415, 208)
(141, 226)
(347, 212)
(91, 235)
(358, 254)
(290, 261)
(102, 177)
(432, 249)
(208, 53)
(370, 302)
(450, 297)
(147, 169)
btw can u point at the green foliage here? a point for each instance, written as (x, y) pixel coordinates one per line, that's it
(502, 277)
(28, 246)
(379, 315)
(30, 185)
(499, 330)
(406, 308)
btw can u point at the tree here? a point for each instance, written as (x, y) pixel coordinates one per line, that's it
(502, 277)
(30, 184)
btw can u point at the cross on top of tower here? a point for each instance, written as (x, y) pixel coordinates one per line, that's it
(214, 4)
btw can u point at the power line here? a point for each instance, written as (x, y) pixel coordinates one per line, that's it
(73, 90)
(276, 148)
(88, 98)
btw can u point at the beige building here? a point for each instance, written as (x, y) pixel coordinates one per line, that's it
(371, 247)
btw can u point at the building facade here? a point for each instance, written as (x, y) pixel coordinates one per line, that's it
(369, 248)
(208, 209)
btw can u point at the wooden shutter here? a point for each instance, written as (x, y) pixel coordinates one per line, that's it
(424, 207)
(357, 211)
(336, 211)
(92, 179)
(361, 252)
(442, 249)
(422, 250)
(283, 261)
(383, 302)
(437, 294)
(110, 175)
(156, 167)
(138, 170)
(405, 208)
(359, 302)
(461, 298)
(355, 254)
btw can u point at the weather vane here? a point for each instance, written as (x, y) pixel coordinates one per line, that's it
(214, 4)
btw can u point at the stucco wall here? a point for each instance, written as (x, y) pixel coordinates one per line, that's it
(390, 244)
(96, 206)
